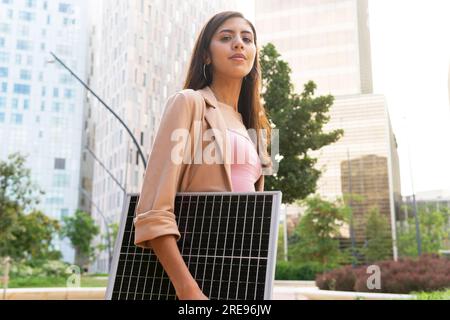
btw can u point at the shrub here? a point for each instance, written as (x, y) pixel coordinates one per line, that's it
(428, 273)
(51, 268)
(286, 270)
(342, 279)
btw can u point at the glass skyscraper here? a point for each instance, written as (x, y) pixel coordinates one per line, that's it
(41, 106)
(327, 41)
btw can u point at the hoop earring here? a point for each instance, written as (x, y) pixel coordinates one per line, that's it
(204, 73)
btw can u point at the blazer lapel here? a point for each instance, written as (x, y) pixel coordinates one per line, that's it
(215, 119)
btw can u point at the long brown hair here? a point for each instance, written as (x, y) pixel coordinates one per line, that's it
(249, 104)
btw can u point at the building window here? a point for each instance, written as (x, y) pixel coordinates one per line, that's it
(26, 104)
(3, 72)
(68, 93)
(4, 28)
(60, 163)
(25, 74)
(30, 3)
(65, 7)
(56, 107)
(2, 42)
(24, 31)
(2, 102)
(64, 212)
(15, 103)
(2, 117)
(22, 89)
(61, 180)
(55, 92)
(16, 118)
(55, 200)
(26, 16)
(23, 45)
(4, 57)
(4, 87)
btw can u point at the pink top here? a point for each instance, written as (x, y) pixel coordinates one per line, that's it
(245, 163)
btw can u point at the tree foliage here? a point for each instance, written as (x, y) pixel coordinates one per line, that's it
(300, 120)
(18, 195)
(81, 231)
(378, 237)
(316, 236)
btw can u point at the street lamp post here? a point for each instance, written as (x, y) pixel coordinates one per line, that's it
(141, 154)
(107, 225)
(104, 167)
(352, 230)
(107, 222)
(414, 206)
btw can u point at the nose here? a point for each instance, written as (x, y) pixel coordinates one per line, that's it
(239, 43)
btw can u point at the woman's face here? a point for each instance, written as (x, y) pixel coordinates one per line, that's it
(234, 36)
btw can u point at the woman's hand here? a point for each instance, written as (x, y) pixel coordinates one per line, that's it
(191, 293)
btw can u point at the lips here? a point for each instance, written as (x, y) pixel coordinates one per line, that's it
(238, 55)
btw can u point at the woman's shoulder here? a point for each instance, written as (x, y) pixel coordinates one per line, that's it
(189, 95)
(185, 103)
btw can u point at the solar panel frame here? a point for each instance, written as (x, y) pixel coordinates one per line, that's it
(271, 254)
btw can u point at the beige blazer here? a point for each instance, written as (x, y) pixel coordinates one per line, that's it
(164, 178)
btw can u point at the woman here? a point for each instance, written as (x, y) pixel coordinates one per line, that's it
(220, 95)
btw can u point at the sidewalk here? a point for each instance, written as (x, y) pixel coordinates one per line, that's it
(282, 290)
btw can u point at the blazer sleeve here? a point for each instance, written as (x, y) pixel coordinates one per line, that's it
(155, 209)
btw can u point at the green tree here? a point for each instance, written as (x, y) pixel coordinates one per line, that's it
(18, 194)
(280, 243)
(433, 227)
(315, 237)
(378, 238)
(33, 238)
(81, 230)
(109, 239)
(301, 119)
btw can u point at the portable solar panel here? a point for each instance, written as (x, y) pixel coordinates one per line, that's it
(228, 241)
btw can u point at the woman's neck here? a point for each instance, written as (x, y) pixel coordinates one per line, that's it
(227, 93)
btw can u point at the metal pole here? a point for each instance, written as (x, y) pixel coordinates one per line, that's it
(352, 231)
(416, 218)
(6, 261)
(107, 107)
(103, 166)
(285, 234)
(106, 222)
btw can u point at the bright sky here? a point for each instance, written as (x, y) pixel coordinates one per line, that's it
(410, 60)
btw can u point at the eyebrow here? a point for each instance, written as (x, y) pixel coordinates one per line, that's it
(231, 31)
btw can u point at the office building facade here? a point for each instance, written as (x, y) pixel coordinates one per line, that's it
(41, 105)
(327, 41)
